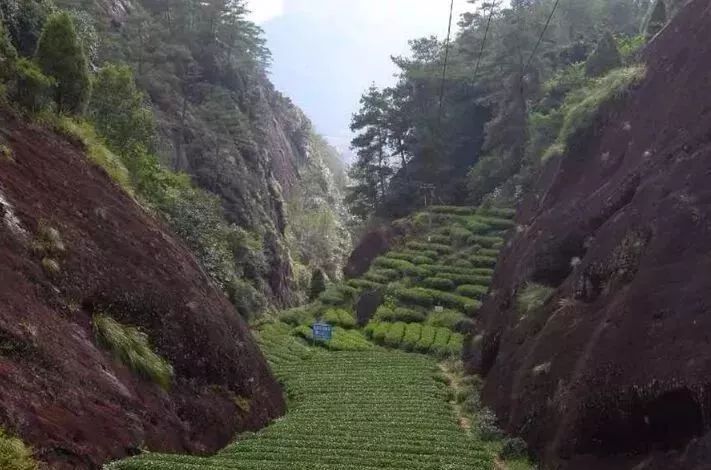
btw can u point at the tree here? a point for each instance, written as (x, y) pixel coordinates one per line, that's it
(8, 56)
(60, 55)
(605, 57)
(657, 20)
(318, 284)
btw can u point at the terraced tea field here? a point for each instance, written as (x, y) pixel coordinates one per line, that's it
(377, 397)
(349, 410)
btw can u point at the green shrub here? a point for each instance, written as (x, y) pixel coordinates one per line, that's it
(483, 261)
(454, 346)
(420, 260)
(339, 317)
(447, 318)
(304, 331)
(441, 339)
(439, 248)
(413, 331)
(472, 291)
(486, 242)
(132, 348)
(500, 212)
(33, 86)
(298, 316)
(532, 297)
(339, 294)
(364, 284)
(489, 252)
(392, 263)
(347, 340)
(469, 271)
(369, 329)
(456, 210)
(460, 279)
(497, 223)
(395, 333)
(399, 314)
(415, 296)
(380, 332)
(513, 448)
(476, 227)
(427, 337)
(374, 278)
(439, 239)
(15, 454)
(438, 283)
(402, 255)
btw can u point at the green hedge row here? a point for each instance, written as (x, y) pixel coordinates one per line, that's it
(438, 283)
(460, 279)
(339, 317)
(407, 315)
(423, 246)
(472, 291)
(416, 337)
(456, 210)
(486, 242)
(430, 297)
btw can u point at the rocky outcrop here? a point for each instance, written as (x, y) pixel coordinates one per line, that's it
(62, 392)
(614, 371)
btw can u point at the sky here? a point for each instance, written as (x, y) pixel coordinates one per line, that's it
(325, 53)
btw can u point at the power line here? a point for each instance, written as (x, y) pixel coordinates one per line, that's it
(540, 39)
(446, 60)
(486, 34)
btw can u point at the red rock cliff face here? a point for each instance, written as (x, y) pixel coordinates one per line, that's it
(62, 392)
(615, 370)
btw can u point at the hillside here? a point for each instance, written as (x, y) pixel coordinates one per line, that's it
(610, 368)
(387, 392)
(73, 247)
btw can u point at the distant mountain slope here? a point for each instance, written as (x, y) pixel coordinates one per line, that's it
(73, 246)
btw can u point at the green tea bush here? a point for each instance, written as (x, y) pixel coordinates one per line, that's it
(456, 210)
(486, 242)
(497, 223)
(427, 337)
(439, 239)
(471, 291)
(380, 332)
(298, 316)
(369, 329)
(447, 318)
(490, 252)
(340, 317)
(364, 284)
(396, 264)
(459, 235)
(483, 261)
(438, 283)
(460, 279)
(395, 333)
(477, 227)
(441, 339)
(420, 260)
(415, 296)
(399, 314)
(413, 331)
(467, 271)
(14, 454)
(132, 348)
(439, 248)
(500, 212)
(374, 278)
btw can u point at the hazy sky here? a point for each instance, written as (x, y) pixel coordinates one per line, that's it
(327, 52)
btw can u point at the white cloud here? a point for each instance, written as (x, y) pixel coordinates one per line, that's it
(265, 10)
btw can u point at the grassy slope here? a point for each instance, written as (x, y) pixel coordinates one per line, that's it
(355, 405)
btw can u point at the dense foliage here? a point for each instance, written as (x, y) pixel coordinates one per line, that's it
(412, 147)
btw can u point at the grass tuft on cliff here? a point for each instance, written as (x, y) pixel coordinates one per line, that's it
(532, 297)
(582, 108)
(131, 346)
(15, 454)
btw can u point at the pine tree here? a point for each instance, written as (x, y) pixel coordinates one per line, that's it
(60, 56)
(318, 284)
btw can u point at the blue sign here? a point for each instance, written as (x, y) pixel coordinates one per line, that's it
(322, 331)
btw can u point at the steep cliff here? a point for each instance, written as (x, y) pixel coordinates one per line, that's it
(73, 246)
(611, 370)
(204, 67)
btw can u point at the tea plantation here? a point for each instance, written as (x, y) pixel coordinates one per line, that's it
(378, 397)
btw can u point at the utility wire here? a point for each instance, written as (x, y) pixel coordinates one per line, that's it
(446, 60)
(540, 38)
(486, 34)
